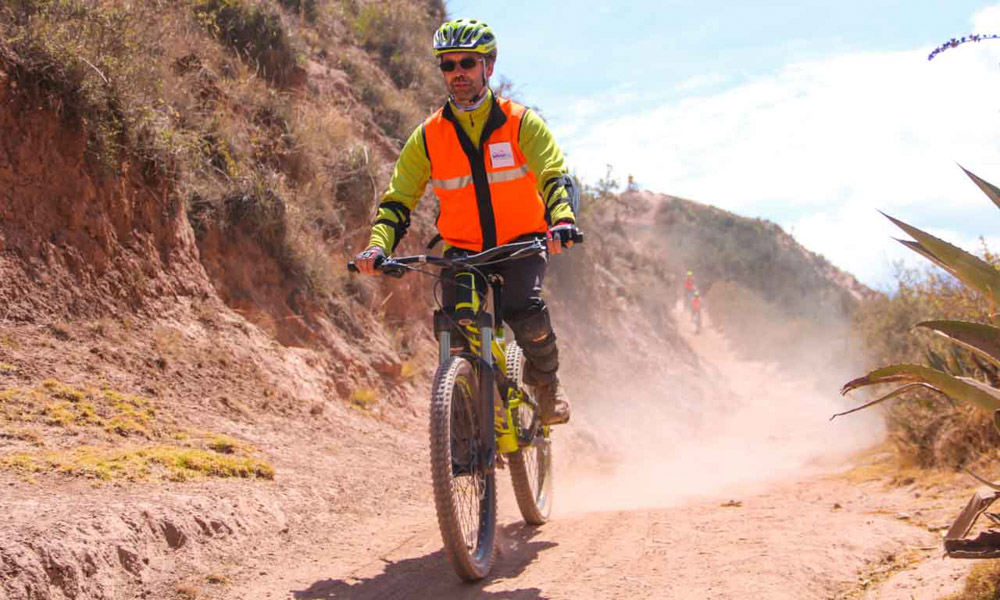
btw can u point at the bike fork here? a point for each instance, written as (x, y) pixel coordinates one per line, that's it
(444, 348)
(486, 410)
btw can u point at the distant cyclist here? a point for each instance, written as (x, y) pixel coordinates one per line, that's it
(689, 289)
(500, 177)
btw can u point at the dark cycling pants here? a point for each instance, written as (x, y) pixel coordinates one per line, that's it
(523, 310)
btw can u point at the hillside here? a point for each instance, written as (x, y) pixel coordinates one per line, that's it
(772, 297)
(190, 381)
(755, 253)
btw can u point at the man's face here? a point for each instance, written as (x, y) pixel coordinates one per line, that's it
(465, 82)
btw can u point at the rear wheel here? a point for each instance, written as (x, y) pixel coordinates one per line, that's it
(531, 465)
(465, 494)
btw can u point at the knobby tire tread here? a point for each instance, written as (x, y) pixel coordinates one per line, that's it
(520, 478)
(442, 391)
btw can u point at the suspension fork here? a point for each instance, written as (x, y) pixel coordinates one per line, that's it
(484, 321)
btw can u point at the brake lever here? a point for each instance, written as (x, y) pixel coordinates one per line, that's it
(392, 269)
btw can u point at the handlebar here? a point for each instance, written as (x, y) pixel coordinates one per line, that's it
(398, 266)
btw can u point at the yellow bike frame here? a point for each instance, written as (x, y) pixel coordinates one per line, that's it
(506, 428)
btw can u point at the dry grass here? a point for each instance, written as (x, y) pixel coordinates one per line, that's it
(255, 33)
(881, 571)
(173, 463)
(983, 582)
(57, 404)
(185, 592)
(364, 399)
(224, 444)
(97, 65)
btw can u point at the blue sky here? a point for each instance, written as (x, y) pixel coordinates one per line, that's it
(813, 115)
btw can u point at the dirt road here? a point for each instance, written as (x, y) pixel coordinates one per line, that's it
(740, 507)
(791, 542)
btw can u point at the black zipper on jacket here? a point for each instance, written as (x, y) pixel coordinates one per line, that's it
(477, 162)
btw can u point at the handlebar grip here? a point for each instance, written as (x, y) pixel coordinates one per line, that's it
(353, 268)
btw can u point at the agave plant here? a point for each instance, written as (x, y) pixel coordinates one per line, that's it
(983, 340)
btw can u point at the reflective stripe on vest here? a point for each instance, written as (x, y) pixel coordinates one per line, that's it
(488, 195)
(460, 182)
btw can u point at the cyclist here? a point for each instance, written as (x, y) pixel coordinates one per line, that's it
(689, 288)
(499, 177)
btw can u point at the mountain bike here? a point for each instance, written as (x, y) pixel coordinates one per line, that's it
(481, 412)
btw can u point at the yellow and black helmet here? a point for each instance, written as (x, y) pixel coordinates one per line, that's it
(465, 35)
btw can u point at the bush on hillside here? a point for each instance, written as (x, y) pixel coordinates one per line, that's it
(306, 8)
(395, 31)
(254, 32)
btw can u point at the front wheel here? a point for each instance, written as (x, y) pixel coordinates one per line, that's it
(465, 493)
(531, 465)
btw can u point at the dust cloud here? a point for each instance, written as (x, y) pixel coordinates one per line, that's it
(726, 429)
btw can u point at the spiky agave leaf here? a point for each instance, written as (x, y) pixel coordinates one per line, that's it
(889, 396)
(916, 247)
(984, 340)
(958, 388)
(971, 269)
(988, 188)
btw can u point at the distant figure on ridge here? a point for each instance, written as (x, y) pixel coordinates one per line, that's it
(689, 289)
(500, 177)
(696, 311)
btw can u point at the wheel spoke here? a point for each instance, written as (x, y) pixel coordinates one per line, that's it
(469, 488)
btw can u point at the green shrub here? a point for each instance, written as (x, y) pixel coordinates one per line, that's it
(307, 8)
(254, 33)
(398, 33)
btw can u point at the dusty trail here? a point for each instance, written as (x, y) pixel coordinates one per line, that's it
(747, 504)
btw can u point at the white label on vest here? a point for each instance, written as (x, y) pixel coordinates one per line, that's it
(501, 155)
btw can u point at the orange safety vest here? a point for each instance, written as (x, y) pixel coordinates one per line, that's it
(488, 196)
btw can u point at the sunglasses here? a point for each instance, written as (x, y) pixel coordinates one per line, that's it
(468, 63)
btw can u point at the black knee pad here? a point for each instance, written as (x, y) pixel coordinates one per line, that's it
(533, 332)
(531, 324)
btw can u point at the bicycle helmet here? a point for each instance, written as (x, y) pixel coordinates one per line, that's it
(465, 35)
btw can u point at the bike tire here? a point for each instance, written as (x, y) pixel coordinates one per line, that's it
(465, 494)
(531, 465)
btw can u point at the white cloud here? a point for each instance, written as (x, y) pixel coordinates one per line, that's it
(987, 20)
(701, 82)
(820, 145)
